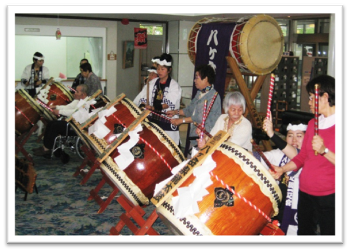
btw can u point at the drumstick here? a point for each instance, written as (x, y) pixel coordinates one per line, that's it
(202, 129)
(45, 106)
(147, 92)
(257, 148)
(204, 117)
(272, 83)
(211, 103)
(72, 89)
(316, 111)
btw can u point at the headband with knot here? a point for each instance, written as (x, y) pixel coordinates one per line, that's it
(162, 63)
(300, 126)
(39, 58)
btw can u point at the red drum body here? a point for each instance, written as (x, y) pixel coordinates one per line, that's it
(256, 43)
(27, 111)
(245, 211)
(54, 94)
(101, 101)
(155, 154)
(126, 112)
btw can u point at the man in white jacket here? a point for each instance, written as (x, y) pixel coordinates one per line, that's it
(55, 128)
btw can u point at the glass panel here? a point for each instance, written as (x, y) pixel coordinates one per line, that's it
(322, 50)
(324, 25)
(153, 29)
(306, 26)
(61, 56)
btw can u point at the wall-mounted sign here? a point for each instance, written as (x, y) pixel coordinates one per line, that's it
(112, 56)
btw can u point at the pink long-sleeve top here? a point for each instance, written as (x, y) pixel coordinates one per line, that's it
(318, 175)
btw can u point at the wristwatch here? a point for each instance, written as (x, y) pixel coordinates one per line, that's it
(325, 152)
(183, 120)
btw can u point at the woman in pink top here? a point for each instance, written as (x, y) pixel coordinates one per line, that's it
(316, 206)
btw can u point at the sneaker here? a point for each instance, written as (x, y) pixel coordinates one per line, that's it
(42, 152)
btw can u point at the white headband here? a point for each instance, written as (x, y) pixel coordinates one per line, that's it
(152, 70)
(39, 58)
(301, 127)
(163, 62)
(155, 60)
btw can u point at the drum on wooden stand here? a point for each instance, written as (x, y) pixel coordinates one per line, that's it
(28, 111)
(154, 156)
(126, 112)
(256, 43)
(101, 101)
(53, 94)
(240, 200)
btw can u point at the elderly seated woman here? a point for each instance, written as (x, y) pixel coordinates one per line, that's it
(233, 122)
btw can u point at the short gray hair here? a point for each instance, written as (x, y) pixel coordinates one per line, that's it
(234, 98)
(84, 88)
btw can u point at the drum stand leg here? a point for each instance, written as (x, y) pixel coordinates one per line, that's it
(21, 141)
(135, 213)
(94, 193)
(88, 160)
(257, 122)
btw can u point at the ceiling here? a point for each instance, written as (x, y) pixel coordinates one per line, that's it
(152, 18)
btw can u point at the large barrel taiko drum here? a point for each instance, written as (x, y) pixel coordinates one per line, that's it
(256, 42)
(155, 154)
(241, 199)
(101, 101)
(53, 94)
(28, 111)
(126, 113)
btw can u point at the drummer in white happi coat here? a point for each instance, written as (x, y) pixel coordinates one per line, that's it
(164, 94)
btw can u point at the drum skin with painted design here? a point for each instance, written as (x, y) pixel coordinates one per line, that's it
(155, 154)
(254, 190)
(256, 42)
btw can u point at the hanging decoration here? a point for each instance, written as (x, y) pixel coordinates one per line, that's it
(58, 34)
(125, 21)
(140, 41)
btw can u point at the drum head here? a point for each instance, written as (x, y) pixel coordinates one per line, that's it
(64, 90)
(261, 44)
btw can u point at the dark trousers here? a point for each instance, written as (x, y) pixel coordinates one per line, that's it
(31, 92)
(316, 210)
(53, 129)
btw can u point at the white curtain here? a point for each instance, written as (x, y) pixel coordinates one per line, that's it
(95, 50)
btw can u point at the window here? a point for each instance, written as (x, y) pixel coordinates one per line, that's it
(305, 26)
(153, 29)
(324, 25)
(322, 50)
(64, 55)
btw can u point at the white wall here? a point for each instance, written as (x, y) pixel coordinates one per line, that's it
(183, 70)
